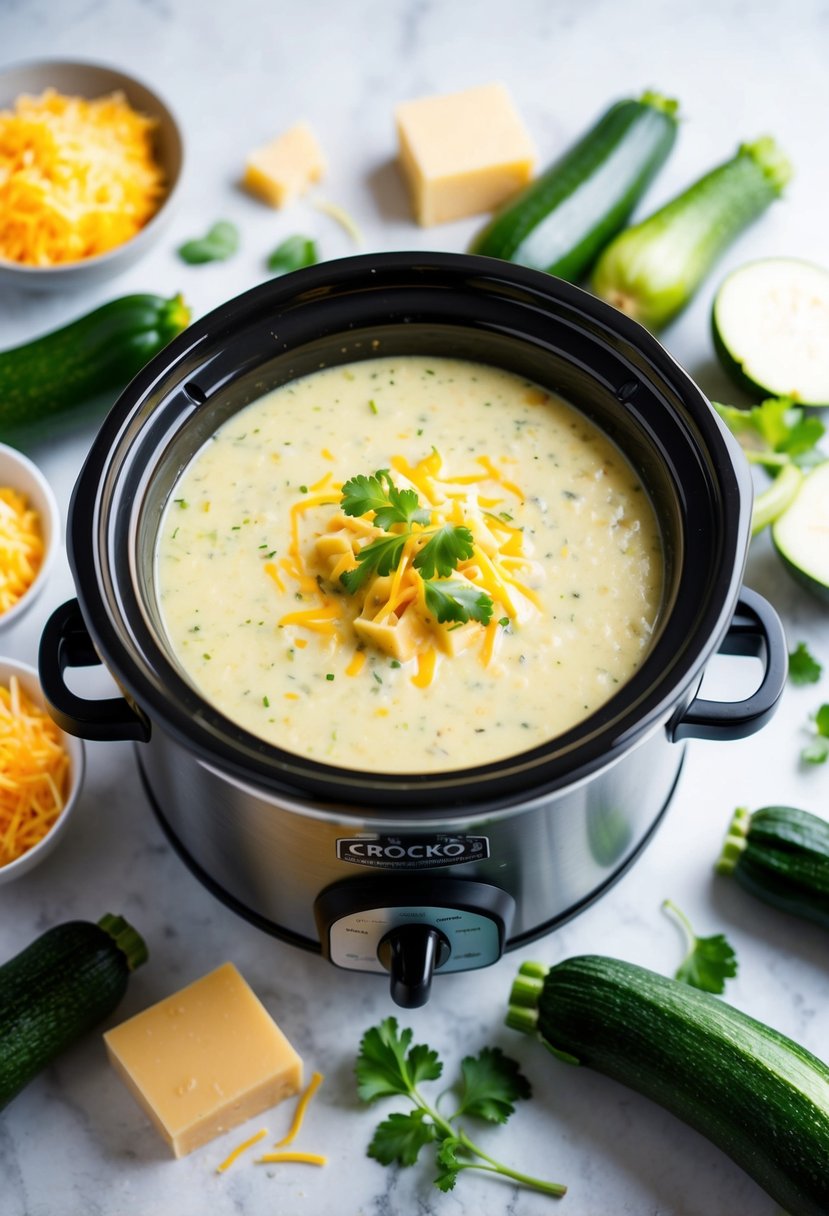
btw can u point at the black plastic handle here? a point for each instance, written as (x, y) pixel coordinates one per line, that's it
(65, 642)
(756, 631)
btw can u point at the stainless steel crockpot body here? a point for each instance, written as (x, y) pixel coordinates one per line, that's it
(393, 871)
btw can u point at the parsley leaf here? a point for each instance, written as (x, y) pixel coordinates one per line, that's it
(221, 241)
(817, 752)
(457, 600)
(379, 494)
(803, 667)
(401, 1137)
(447, 546)
(778, 426)
(490, 1084)
(294, 253)
(380, 557)
(710, 961)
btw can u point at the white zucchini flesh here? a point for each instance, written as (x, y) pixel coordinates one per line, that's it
(801, 533)
(772, 317)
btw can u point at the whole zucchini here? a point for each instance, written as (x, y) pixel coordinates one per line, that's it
(562, 220)
(757, 1095)
(781, 855)
(651, 270)
(98, 353)
(60, 986)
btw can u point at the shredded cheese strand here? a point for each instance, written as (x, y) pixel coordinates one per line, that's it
(299, 1158)
(301, 1107)
(34, 773)
(237, 1152)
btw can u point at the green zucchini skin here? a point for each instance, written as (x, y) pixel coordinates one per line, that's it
(64, 983)
(98, 353)
(562, 220)
(780, 854)
(758, 1096)
(799, 533)
(651, 271)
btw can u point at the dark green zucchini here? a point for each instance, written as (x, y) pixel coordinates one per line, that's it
(98, 353)
(754, 1093)
(781, 855)
(652, 270)
(60, 986)
(563, 219)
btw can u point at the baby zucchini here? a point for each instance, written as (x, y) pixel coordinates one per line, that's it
(757, 1095)
(98, 353)
(781, 855)
(60, 986)
(770, 321)
(562, 220)
(651, 270)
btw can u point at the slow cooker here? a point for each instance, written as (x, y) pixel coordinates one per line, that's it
(411, 874)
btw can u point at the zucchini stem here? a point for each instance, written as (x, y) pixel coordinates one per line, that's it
(127, 939)
(735, 841)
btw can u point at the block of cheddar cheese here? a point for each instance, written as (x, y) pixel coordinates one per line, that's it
(462, 153)
(286, 167)
(204, 1059)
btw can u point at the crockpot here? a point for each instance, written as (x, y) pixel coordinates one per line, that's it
(414, 873)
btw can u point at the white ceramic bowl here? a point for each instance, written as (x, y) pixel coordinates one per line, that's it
(92, 80)
(27, 676)
(18, 472)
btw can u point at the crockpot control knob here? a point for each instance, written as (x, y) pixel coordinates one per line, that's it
(411, 953)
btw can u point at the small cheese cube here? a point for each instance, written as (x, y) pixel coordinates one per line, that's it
(286, 167)
(204, 1059)
(462, 153)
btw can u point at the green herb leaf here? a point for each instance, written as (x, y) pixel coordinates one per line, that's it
(776, 425)
(450, 1166)
(294, 253)
(400, 1138)
(492, 1084)
(221, 241)
(822, 721)
(816, 752)
(379, 494)
(457, 600)
(449, 545)
(386, 1066)
(710, 961)
(803, 667)
(380, 557)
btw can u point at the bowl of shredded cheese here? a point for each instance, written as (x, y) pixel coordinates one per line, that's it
(89, 162)
(29, 533)
(41, 773)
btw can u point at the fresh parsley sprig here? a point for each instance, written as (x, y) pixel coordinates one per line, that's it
(709, 962)
(816, 750)
(804, 668)
(776, 432)
(490, 1084)
(448, 599)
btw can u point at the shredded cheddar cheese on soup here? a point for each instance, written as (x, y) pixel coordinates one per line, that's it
(77, 177)
(34, 773)
(21, 547)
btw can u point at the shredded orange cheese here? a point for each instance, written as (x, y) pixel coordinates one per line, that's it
(21, 547)
(299, 1158)
(77, 177)
(237, 1152)
(301, 1107)
(34, 773)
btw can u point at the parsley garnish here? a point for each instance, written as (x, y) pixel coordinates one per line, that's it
(817, 752)
(803, 667)
(489, 1086)
(294, 253)
(775, 432)
(447, 545)
(710, 961)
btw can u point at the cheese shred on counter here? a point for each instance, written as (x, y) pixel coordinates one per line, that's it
(77, 177)
(34, 773)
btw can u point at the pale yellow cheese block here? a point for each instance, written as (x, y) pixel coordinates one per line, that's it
(462, 153)
(285, 168)
(204, 1059)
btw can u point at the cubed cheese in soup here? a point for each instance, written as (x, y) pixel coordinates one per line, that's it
(409, 564)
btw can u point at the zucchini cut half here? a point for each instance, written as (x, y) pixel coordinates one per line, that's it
(771, 329)
(801, 533)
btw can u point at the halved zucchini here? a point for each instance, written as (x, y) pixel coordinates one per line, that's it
(771, 329)
(801, 533)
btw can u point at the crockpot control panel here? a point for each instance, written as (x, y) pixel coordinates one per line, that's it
(413, 930)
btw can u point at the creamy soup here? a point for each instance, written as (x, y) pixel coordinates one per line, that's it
(409, 564)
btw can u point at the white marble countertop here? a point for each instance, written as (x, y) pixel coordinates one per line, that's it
(74, 1142)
